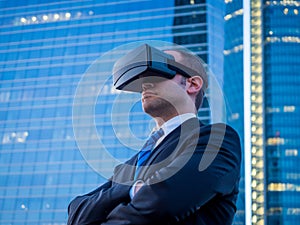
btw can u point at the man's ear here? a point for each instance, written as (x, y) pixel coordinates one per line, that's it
(195, 84)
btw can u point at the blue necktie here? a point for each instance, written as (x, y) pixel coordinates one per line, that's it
(147, 148)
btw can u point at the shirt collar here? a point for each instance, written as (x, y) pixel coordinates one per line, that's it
(173, 123)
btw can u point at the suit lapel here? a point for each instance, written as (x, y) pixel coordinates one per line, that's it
(172, 137)
(125, 171)
(170, 143)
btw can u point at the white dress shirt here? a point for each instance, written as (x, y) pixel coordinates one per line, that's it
(172, 124)
(167, 127)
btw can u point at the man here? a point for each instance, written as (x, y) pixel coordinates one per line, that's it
(192, 173)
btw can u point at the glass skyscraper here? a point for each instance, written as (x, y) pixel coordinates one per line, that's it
(47, 48)
(272, 122)
(268, 75)
(233, 83)
(281, 35)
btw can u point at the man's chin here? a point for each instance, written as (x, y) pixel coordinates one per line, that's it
(157, 107)
(150, 109)
(147, 108)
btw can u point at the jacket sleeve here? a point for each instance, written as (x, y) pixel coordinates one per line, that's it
(93, 208)
(184, 185)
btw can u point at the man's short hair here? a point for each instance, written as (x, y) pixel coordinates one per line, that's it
(195, 63)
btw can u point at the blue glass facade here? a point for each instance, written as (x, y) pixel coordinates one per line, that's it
(233, 83)
(46, 47)
(282, 118)
(273, 113)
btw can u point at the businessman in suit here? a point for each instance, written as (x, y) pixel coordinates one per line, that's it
(191, 174)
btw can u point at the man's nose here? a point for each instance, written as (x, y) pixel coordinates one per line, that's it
(146, 86)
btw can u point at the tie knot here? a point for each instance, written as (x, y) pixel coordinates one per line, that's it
(150, 143)
(156, 135)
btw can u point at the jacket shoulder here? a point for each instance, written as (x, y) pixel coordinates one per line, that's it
(223, 135)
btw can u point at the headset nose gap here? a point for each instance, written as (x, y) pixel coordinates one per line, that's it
(146, 86)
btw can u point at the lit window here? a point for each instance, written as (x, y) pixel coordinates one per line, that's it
(79, 14)
(275, 210)
(47, 206)
(23, 206)
(68, 15)
(56, 16)
(275, 141)
(254, 219)
(291, 39)
(293, 211)
(273, 110)
(235, 116)
(15, 137)
(286, 11)
(239, 12)
(296, 11)
(226, 52)
(233, 50)
(45, 17)
(34, 19)
(289, 108)
(254, 183)
(277, 187)
(23, 20)
(291, 152)
(254, 195)
(228, 17)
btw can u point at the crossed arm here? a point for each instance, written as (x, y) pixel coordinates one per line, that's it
(94, 207)
(164, 198)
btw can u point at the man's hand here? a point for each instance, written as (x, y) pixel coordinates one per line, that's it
(136, 187)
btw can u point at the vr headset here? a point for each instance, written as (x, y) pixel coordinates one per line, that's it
(146, 64)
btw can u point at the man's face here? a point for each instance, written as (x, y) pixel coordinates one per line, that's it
(164, 98)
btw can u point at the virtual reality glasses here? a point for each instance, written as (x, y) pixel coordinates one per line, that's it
(146, 64)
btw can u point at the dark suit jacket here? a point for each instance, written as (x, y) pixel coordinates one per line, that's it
(192, 178)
